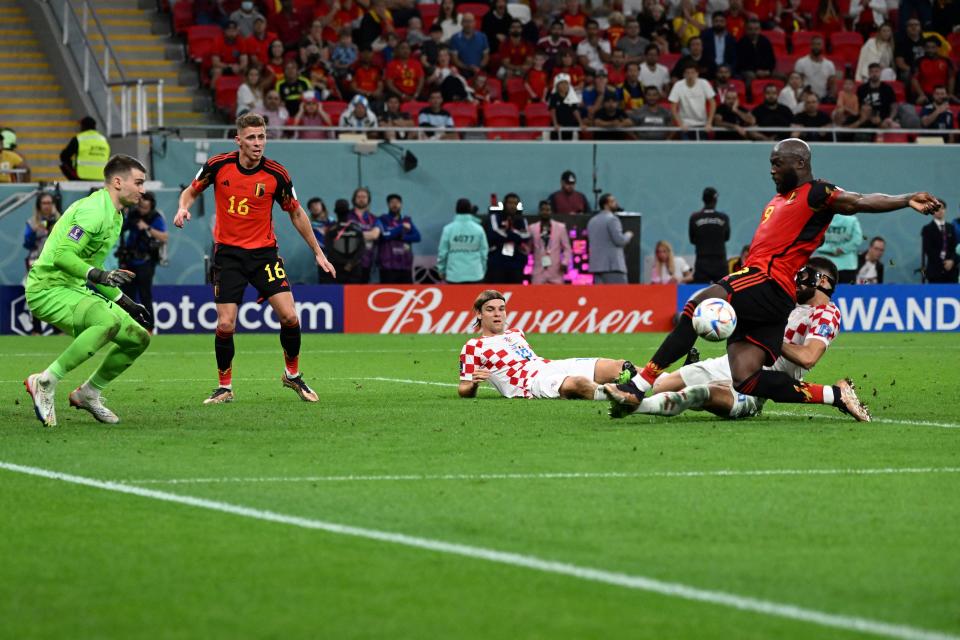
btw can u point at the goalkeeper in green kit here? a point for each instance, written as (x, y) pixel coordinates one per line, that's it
(58, 294)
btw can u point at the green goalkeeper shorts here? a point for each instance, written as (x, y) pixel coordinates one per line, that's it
(73, 309)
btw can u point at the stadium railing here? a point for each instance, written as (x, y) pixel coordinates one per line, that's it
(544, 133)
(121, 102)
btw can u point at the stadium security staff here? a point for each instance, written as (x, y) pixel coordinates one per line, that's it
(709, 232)
(86, 154)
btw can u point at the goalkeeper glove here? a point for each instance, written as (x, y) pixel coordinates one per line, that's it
(114, 278)
(137, 311)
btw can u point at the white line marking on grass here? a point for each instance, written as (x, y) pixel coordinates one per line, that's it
(914, 423)
(641, 583)
(560, 475)
(166, 354)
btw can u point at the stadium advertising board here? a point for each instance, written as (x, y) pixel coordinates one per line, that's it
(189, 309)
(535, 309)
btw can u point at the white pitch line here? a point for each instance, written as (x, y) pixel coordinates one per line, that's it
(560, 475)
(875, 420)
(637, 582)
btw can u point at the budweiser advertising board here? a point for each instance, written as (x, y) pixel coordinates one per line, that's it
(534, 309)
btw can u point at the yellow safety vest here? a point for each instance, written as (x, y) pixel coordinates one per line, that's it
(92, 155)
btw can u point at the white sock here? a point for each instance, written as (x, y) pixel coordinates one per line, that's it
(827, 394)
(642, 384)
(89, 390)
(598, 393)
(49, 379)
(291, 376)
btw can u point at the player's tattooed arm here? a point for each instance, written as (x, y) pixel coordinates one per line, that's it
(848, 202)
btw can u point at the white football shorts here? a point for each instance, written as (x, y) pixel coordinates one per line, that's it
(546, 384)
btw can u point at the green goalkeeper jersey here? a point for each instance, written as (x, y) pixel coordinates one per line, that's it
(81, 239)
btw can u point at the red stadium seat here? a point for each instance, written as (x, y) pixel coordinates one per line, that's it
(537, 114)
(225, 93)
(779, 41)
(894, 138)
(428, 15)
(478, 9)
(413, 108)
(501, 114)
(517, 92)
(182, 16)
(199, 34)
(954, 41)
(334, 108)
(786, 63)
(464, 114)
(801, 42)
(760, 84)
(845, 47)
(669, 60)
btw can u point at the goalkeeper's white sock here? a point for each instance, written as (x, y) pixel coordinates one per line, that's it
(49, 378)
(88, 390)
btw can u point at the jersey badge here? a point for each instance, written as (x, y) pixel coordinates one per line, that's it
(260, 189)
(824, 330)
(76, 232)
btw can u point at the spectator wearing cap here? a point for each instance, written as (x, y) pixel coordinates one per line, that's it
(358, 115)
(86, 153)
(564, 106)
(551, 247)
(13, 166)
(463, 251)
(509, 241)
(709, 231)
(311, 114)
(568, 200)
(607, 240)
(395, 250)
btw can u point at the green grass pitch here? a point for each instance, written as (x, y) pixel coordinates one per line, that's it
(546, 480)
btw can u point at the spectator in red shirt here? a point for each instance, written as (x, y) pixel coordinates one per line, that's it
(736, 19)
(516, 54)
(273, 68)
(568, 199)
(367, 79)
(289, 24)
(535, 82)
(617, 68)
(257, 44)
(574, 21)
(932, 71)
(763, 10)
(404, 76)
(336, 14)
(616, 29)
(568, 66)
(228, 57)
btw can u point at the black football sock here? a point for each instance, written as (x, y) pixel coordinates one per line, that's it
(290, 342)
(223, 347)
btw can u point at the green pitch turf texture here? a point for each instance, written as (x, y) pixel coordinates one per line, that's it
(83, 562)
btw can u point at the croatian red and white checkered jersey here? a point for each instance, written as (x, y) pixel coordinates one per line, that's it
(509, 359)
(808, 323)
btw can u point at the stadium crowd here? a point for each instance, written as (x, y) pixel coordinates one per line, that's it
(718, 65)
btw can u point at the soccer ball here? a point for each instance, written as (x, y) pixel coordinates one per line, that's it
(714, 319)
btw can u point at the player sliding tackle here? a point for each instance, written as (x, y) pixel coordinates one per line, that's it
(812, 327)
(57, 293)
(503, 358)
(246, 184)
(791, 227)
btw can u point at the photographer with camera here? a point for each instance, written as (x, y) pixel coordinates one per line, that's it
(143, 240)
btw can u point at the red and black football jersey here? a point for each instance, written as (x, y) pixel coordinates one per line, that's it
(245, 199)
(791, 228)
